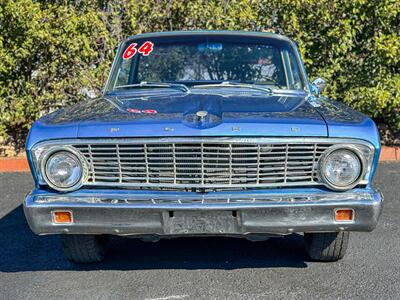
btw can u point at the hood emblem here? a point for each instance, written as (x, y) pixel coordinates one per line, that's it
(201, 119)
(201, 114)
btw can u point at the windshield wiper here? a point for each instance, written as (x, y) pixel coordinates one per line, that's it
(146, 84)
(235, 84)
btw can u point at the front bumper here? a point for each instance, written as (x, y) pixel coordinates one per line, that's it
(125, 212)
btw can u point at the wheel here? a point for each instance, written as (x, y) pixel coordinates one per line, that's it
(85, 248)
(327, 246)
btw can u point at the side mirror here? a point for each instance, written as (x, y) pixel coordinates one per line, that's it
(318, 85)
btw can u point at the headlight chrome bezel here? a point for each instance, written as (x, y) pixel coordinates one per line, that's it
(50, 153)
(350, 148)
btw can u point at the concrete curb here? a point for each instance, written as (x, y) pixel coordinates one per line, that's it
(20, 164)
(390, 154)
(14, 164)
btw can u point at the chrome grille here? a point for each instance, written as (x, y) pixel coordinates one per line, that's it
(219, 163)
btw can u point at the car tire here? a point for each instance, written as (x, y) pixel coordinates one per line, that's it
(85, 248)
(327, 246)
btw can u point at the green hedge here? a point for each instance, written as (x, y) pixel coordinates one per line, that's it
(51, 52)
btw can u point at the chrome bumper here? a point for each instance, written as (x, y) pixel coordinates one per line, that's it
(125, 212)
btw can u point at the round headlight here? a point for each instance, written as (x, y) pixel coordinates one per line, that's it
(63, 170)
(341, 169)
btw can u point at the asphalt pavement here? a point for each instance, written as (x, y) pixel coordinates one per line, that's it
(34, 267)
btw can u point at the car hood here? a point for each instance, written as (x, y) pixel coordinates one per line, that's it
(212, 112)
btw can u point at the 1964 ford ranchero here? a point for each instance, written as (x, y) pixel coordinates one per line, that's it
(204, 133)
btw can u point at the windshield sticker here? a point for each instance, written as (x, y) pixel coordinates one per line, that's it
(210, 46)
(130, 51)
(144, 49)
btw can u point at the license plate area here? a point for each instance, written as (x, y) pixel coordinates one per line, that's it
(200, 222)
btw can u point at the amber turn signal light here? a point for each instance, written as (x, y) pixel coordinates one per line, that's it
(62, 217)
(344, 215)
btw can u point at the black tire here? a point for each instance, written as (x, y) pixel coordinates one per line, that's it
(85, 248)
(328, 246)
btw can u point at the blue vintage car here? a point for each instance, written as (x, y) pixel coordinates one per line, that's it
(202, 133)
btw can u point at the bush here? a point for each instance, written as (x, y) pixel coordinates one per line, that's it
(58, 52)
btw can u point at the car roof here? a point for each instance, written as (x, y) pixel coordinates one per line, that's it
(211, 32)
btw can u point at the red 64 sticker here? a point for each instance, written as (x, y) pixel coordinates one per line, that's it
(145, 49)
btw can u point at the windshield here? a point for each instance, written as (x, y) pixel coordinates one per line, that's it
(203, 59)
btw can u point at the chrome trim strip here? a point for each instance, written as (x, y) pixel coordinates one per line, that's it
(106, 87)
(225, 198)
(157, 140)
(217, 140)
